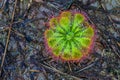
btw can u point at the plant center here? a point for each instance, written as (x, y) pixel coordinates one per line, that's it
(69, 35)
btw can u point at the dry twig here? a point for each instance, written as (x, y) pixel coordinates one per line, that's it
(8, 38)
(110, 19)
(58, 71)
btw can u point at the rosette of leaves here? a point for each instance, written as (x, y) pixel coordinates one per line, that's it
(69, 37)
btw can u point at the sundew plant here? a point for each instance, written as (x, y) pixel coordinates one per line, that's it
(69, 37)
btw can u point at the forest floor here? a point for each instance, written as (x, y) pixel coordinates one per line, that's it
(22, 50)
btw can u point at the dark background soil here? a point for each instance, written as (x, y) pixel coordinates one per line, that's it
(22, 50)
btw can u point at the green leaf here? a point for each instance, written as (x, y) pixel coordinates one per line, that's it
(53, 22)
(76, 52)
(88, 32)
(66, 14)
(64, 22)
(51, 42)
(85, 42)
(78, 18)
(49, 33)
(56, 51)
